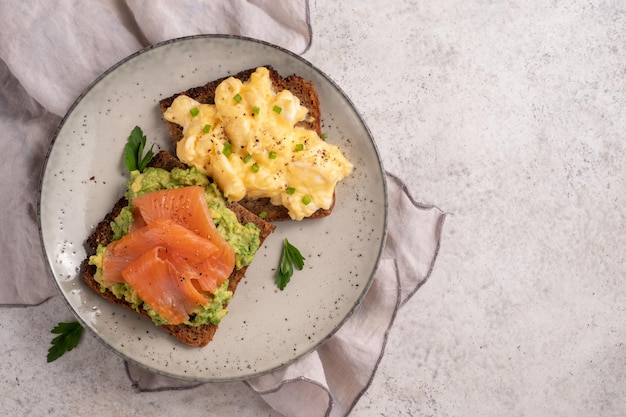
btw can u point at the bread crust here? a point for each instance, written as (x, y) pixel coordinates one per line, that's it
(300, 87)
(102, 234)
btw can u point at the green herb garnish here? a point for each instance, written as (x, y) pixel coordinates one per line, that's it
(133, 151)
(277, 109)
(194, 111)
(227, 151)
(263, 214)
(290, 258)
(255, 167)
(68, 337)
(206, 128)
(299, 147)
(255, 110)
(247, 158)
(306, 200)
(237, 98)
(290, 190)
(272, 155)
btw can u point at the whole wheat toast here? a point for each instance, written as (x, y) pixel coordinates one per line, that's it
(298, 86)
(191, 335)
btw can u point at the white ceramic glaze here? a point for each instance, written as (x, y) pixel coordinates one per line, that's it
(266, 328)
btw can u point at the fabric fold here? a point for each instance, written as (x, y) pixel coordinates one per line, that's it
(53, 50)
(56, 49)
(403, 242)
(27, 129)
(284, 23)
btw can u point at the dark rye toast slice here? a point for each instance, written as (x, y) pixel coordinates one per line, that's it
(191, 335)
(301, 88)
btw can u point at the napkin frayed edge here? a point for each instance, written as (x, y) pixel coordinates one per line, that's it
(309, 26)
(137, 388)
(28, 305)
(331, 400)
(442, 219)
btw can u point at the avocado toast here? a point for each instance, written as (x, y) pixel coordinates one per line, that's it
(201, 326)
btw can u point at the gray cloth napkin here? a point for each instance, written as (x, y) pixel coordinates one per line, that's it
(50, 51)
(55, 48)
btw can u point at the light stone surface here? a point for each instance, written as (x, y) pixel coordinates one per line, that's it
(511, 117)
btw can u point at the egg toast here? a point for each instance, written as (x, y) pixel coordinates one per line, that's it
(303, 89)
(194, 335)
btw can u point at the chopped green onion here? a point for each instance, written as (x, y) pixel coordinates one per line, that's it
(263, 214)
(277, 109)
(290, 190)
(206, 129)
(194, 111)
(255, 110)
(324, 136)
(227, 151)
(306, 200)
(272, 155)
(247, 158)
(255, 167)
(237, 98)
(299, 147)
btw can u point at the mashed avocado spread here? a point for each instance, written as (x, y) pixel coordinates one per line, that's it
(243, 238)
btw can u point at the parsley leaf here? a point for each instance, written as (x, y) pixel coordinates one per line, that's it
(290, 258)
(134, 158)
(69, 336)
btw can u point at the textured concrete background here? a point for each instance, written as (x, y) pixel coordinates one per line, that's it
(508, 115)
(511, 116)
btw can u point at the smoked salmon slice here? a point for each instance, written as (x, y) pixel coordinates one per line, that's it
(186, 246)
(171, 295)
(173, 255)
(187, 206)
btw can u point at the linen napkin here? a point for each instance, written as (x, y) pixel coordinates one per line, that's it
(55, 48)
(49, 53)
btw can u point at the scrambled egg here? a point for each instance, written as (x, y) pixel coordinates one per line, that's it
(248, 142)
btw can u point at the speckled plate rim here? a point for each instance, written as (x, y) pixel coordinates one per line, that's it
(378, 170)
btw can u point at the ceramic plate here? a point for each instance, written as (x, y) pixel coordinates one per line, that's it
(265, 328)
